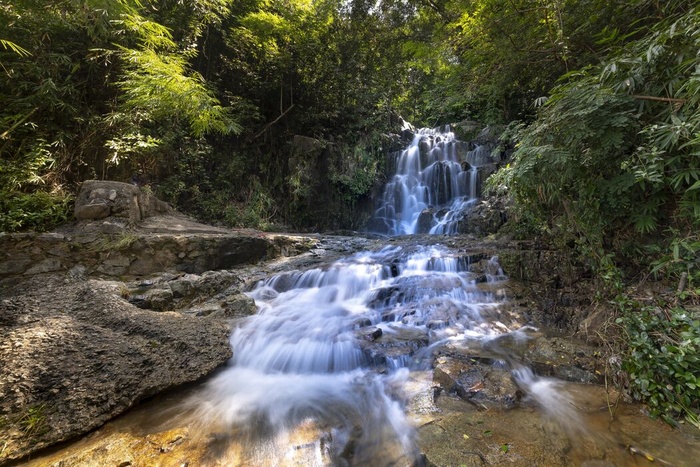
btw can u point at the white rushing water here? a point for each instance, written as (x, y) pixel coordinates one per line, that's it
(333, 347)
(436, 181)
(308, 355)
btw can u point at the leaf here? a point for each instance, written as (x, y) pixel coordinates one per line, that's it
(504, 448)
(22, 52)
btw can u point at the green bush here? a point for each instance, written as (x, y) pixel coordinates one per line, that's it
(663, 359)
(39, 211)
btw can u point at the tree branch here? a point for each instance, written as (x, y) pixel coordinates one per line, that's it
(273, 122)
(660, 99)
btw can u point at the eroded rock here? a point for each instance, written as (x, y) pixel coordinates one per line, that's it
(74, 354)
(486, 385)
(486, 217)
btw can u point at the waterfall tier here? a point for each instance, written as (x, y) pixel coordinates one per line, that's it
(436, 180)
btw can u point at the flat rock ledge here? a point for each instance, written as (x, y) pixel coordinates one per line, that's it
(117, 248)
(75, 353)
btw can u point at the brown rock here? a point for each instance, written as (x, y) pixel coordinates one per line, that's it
(74, 353)
(96, 209)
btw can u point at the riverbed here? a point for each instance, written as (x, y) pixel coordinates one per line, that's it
(400, 355)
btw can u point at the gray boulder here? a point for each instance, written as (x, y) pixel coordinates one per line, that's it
(99, 199)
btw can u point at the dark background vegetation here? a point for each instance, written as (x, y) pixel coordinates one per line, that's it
(278, 114)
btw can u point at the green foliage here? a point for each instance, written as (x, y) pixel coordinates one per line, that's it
(359, 176)
(37, 211)
(681, 263)
(610, 151)
(98, 88)
(9, 45)
(663, 359)
(166, 91)
(156, 87)
(257, 210)
(567, 167)
(610, 169)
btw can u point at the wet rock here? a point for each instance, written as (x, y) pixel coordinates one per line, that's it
(370, 333)
(484, 218)
(565, 359)
(384, 297)
(425, 220)
(472, 381)
(76, 354)
(395, 347)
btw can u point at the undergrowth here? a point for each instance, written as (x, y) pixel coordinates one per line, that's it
(662, 357)
(39, 211)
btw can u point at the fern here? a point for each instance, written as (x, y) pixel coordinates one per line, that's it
(158, 85)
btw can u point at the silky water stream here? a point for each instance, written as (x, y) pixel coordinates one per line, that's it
(346, 353)
(436, 181)
(334, 347)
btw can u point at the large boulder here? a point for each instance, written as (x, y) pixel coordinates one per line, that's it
(98, 199)
(75, 353)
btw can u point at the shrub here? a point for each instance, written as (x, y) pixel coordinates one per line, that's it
(39, 211)
(663, 359)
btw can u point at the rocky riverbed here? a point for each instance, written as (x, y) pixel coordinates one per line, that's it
(111, 314)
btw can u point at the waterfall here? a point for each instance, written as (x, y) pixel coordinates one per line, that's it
(335, 345)
(436, 182)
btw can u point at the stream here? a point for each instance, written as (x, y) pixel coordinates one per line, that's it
(406, 355)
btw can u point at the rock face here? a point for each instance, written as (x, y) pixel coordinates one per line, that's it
(484, 218)
(214, 293)
(78, 348)
(74, 354)
(111, 248)
(99, 199)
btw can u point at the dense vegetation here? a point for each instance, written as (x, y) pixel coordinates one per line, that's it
(276, 112)
(610, 169)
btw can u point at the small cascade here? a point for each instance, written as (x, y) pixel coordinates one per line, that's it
(336, 345)
(436, 181)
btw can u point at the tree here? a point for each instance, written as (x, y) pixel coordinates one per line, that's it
(100, 73)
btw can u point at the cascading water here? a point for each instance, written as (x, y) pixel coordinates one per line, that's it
(333, 347)
(333, 350)
(436, 181)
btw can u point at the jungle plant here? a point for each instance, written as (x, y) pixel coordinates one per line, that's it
(38, 211)
(663, 358)
(613, 155)
(612, 164)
